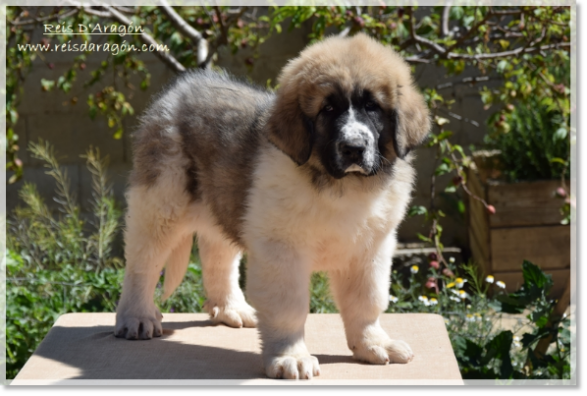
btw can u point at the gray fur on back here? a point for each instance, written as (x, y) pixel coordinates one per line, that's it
(216, 124)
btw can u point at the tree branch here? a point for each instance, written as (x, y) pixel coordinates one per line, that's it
(445, 25)
(33, 21)
(90, 11)
(187, 30)
(169, 60)
(421, 40)
(470, 31)
(506, 54)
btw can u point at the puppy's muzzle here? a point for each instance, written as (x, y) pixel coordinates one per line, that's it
(352, 151)
(354, 155)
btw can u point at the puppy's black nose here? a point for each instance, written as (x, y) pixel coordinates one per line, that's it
(352, 151)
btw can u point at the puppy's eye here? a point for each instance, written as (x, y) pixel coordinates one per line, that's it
(370, 105)
(328, 108)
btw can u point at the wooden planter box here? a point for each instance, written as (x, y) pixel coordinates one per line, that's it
(525, 226)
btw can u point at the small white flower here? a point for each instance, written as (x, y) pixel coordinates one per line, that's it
(451, 260)
(489, 279)
(478, 317)
(517, 341)
(424, 300)
(453, 291)
(460, 282)
(463, 294)
(468, 306)
(433, 301)
(414, 269)
(469, 318)
(455, 299)
(393, 299)
(446, 321)
(500, 284)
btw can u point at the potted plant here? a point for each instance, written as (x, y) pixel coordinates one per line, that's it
(518, 180)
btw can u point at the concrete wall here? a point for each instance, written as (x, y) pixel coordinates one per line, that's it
(50, 115)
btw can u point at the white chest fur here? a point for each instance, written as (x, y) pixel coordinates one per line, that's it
(332, 225)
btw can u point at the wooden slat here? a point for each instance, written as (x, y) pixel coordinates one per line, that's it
(478, 223)
(548, 247)
(478, 226)
(478, 256)
(513, 280)
(524, 203)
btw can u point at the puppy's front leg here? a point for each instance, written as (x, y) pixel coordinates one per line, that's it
(362, 293)
(278, 287)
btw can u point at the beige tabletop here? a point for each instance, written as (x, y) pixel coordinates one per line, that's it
(81, 349)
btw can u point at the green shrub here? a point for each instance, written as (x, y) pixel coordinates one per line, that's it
(534, 141)
(483, 350)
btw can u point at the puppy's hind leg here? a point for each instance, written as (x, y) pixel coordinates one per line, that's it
(225, 300)
(153, 230)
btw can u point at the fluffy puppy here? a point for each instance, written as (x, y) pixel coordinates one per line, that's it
(314, 178)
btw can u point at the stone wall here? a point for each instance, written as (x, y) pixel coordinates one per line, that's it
(51, 116)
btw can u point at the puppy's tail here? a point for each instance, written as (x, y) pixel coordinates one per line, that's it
(177, 266)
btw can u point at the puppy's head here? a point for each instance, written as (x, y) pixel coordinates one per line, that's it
(350, 105)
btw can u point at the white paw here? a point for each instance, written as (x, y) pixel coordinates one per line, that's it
(292, 367)
(138, 323)
(383, 351)
(238, 314)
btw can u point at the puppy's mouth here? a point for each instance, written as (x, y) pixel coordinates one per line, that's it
(356, 168)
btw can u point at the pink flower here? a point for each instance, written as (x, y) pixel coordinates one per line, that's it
(434, 264)
(560, 192)
(431, 284)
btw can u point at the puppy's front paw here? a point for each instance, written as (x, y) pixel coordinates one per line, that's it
(292, 367)
(234, 314)
(382, 351)
(134, 323)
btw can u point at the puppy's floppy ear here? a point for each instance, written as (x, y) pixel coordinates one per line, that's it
(413, 120)
(289, 128)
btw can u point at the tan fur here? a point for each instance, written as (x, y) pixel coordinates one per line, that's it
(292, 223)
(307, 80)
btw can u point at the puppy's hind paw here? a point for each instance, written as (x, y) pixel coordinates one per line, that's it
(233, 315)
(384, 351)
(138, 325)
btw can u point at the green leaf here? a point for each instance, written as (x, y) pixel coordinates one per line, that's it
(423, 238)
(499, 347)
(456, 13)
(47, 85)
(440, 121)
(535, 277)
(442, 169)
(445, 134)
(558, 160)
(417, 210)
(560, 134)
(502, 65)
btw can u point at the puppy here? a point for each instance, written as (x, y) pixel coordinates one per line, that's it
(316, 177)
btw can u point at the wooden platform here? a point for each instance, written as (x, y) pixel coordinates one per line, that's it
(81, 349)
